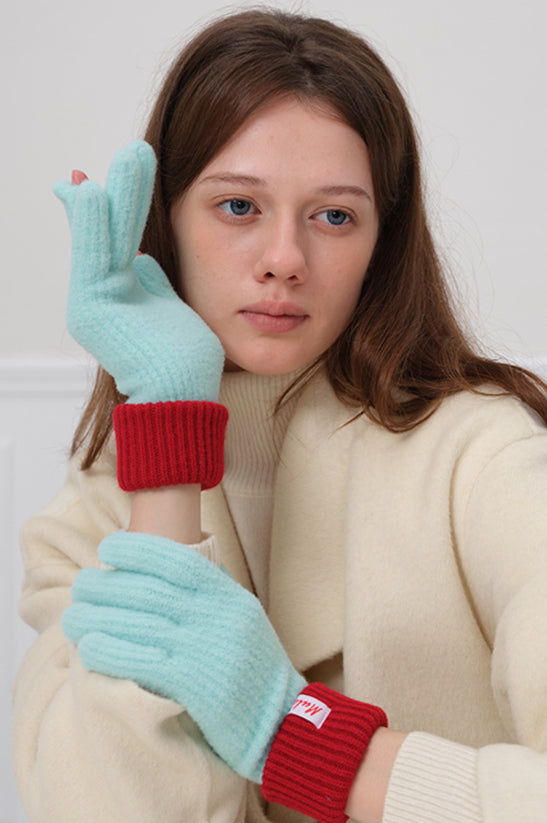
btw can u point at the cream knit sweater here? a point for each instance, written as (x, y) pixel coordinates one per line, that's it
(254, 439)
(420, 560)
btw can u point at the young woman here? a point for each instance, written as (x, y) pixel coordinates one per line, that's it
(226, 626)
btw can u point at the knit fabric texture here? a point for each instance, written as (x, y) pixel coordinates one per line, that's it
(121, 307)
(252, 449)
(316, 753)
(170, 620)
(164, 444)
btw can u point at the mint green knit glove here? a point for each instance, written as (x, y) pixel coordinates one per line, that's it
(170, 620)
(121, 307)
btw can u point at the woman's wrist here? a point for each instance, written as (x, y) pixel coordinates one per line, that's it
(317, 751)
(169, 511)
(368, 791)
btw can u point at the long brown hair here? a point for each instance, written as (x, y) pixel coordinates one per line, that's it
(403, 350)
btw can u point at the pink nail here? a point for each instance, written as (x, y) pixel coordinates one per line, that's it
(78, 177)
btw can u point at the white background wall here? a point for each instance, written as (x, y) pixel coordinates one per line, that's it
(76, 83)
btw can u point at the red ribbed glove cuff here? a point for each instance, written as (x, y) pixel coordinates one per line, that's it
(316, 753)
(164, 444)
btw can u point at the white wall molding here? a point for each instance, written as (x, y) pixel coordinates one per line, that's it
(45, 376)
(69, 377)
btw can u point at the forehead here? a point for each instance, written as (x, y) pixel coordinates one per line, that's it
(289, 140)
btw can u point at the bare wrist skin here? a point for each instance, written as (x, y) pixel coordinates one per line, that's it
(169, 511)
(368, 792)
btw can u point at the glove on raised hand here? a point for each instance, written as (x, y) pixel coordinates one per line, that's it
(178, 626)
(121, 307)
(123, 310)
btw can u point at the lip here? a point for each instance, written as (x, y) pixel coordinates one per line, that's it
(276, 308)
(274, 316)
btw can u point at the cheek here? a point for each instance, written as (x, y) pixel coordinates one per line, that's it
(207, 287)
(346, 308)
(342, 293)
(204, 248)
(345, 288)
(192, 262)
(356, 272)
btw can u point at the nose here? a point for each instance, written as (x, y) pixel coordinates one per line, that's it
(283, 253)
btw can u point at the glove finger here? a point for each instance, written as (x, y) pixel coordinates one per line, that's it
(180, 565)
(90, 262)
(129, 186)
(119, 658)
(73, 623)
(152, 277)
(90, 235)
(147, 157)
(66, 192)
(127, 590)
(138, 628)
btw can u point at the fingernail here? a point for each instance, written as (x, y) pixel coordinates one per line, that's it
(78, 177)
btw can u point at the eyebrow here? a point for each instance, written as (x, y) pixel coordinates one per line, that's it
(250, 180)
(358, 191)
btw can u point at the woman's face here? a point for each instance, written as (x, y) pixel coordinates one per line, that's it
(275, 235)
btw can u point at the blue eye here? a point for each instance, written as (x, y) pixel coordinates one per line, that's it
(336, 217)
(236, 207)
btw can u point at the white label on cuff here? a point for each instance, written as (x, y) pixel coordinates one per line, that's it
(310, 709)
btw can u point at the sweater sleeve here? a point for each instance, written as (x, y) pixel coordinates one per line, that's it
(88, 747)
(501, 536)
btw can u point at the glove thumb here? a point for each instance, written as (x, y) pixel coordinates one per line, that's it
(152, 277)
(66, 192)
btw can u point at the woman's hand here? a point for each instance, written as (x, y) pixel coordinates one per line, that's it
(178, 626)
(121, 307)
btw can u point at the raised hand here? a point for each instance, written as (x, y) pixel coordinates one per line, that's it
(121, 307)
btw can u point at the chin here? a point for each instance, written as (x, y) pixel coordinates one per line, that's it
(266, 365)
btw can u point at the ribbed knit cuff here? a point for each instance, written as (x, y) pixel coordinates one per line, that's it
(165, 444)
(434, 781)
(316, 753)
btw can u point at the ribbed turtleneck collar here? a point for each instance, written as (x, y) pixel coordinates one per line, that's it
(255, 433)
